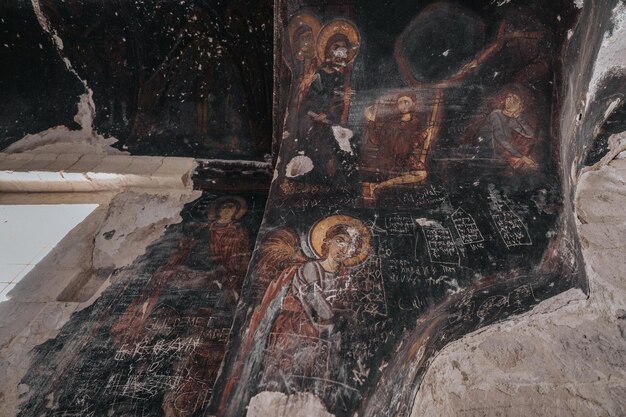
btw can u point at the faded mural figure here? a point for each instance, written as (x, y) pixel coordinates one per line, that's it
(193, 57)
(507, 135)
(303, 31)
(201, 53)
(221, 277)
(229, 243)
(294, 338)
(394, 147)
(154, 340)
(229, 247)
(324, 107)
(386, 141)
(301, 57)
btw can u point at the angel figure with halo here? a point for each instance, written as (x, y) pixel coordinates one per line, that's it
(294, 335)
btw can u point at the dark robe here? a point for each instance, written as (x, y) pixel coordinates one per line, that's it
(393, 147)
(324, 96)
(503, 137)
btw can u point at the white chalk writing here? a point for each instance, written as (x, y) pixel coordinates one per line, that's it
(466, 227)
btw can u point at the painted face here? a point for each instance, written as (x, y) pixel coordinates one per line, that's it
(338, 52)
(405, 104)
(513, 103)
(227, 212)
(305, 44)
(340, 247)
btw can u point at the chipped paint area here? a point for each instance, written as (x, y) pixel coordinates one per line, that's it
(612, 55)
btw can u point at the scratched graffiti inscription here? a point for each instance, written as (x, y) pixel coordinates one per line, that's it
(415, 198)
(153, 342)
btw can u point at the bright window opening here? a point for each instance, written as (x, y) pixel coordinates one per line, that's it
(29, 232)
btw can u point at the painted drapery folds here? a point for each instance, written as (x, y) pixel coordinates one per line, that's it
(153, 342)
(416, 198)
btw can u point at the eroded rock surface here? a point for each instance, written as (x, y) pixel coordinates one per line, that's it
(564, 358)
(276, 404)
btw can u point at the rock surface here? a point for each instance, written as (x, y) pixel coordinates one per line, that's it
(276, 404)
(564, 358)
(76, 271)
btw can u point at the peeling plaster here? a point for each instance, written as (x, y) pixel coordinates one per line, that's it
(612, 55)
(133, 222)
(61, 139)
(84, 117)
(58, 43)
(299, 165)
(77, 270)
(276, 404)
(566, 356)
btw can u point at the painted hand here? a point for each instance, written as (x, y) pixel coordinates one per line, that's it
(322, 118)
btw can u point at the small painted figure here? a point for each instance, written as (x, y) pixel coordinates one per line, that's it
(303, 31)
(300, 54)
(394, 150)
(229, 244)
(323, 111)
(506, 135)
(229, 247)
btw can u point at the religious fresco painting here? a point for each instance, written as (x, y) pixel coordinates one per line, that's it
(416, 198)
(153, 342)
(167, 78)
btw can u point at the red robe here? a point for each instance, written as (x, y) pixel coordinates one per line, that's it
(393, 146)
(229, 246)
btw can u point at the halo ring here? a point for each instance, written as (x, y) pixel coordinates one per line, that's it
(343, 27)
(318, 234)
(240, 202)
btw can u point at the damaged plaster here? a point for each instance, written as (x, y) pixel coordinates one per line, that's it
(276, 404)
(610, 59)
(133, 222)
(566, 356)
(85, 116)
(61, 139)
(76, 272)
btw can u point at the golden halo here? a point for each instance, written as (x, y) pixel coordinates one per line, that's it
(318, 234)
(300, 20)
(240, 202)
(343, 27)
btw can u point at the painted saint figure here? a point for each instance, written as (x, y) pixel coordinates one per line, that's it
(229, 247)
(303, 31)
(301, 57)
(394, 146)
(323, 111)
(229, 244)
(294, 336)
(506, 135)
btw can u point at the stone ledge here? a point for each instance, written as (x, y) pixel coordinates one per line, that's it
(91, 172)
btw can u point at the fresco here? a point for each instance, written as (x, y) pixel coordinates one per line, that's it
(36, 89)
(153, 342)
(416, 198)
(185, 78)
